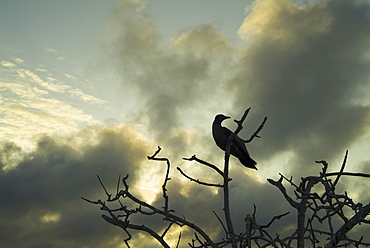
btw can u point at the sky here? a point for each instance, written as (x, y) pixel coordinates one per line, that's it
(93, 87)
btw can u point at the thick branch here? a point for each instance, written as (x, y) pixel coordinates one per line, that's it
(347, 174)
(342, 231)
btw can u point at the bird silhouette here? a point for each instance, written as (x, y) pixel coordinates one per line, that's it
(238, 148)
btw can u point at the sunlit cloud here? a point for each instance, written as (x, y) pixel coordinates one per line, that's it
(42, 70)
(28, 108)
(50, 217)
(19, 61)
(7, 64)
(27, 74)
(51, 50)
(86, 98)
(69, 76)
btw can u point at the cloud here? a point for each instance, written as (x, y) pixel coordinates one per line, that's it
(70, 76)
(171, 81)
(302, 67)
(18, 60)
(29, 107)
(42, 197)
(87, 98)
(27, 112)
(60, 88)
(7, 64)
(51, 50)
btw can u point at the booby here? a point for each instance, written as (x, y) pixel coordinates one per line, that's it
(238, 148)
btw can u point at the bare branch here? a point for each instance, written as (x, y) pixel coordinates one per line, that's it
(105, 190)
(205, 163)
(255, 134)
(136, 227)
(342, 231)
(197, 180)
(282, 189)
(178, 240)
(347, 174)
(326, 209)
(276, 217)
(222, 224)
(341, 170)
(324, 163)
(240, 122)
(166, 178)
(166, 230)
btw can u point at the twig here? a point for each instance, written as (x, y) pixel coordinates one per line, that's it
(166, 230)
(205, 163)
(276, 217)
(105, 190)
(222, 224)
(341, 170)
(197, 180)
(282, 189)
(178, 240)
(166, 178)
(255, 134)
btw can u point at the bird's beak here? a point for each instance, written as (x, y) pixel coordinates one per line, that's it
(227, 117)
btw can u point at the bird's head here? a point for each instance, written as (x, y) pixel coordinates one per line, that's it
(220, 117)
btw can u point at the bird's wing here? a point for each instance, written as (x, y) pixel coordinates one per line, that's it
(241, 145)
(227, 132)
(238, 145)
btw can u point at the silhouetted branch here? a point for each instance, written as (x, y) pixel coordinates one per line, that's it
(226, 209)
(197, 180)
(105, 190)
(347, 174)
(166, 178)
(205, 163)
(255, 134)
(341, 170)
(122, 219)
(222, 224)
(324, 206)
(348, 225)
(178, 240)
(282, 189)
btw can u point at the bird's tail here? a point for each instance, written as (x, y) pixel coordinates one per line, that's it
(248, 162)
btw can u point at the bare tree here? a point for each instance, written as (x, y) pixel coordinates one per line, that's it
(313, 209)
(323, 207)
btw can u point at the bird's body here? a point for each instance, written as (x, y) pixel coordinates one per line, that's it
(238, 148)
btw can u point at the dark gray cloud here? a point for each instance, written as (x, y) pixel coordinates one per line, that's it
(171, 79)
(41, 204)
(304, 68)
